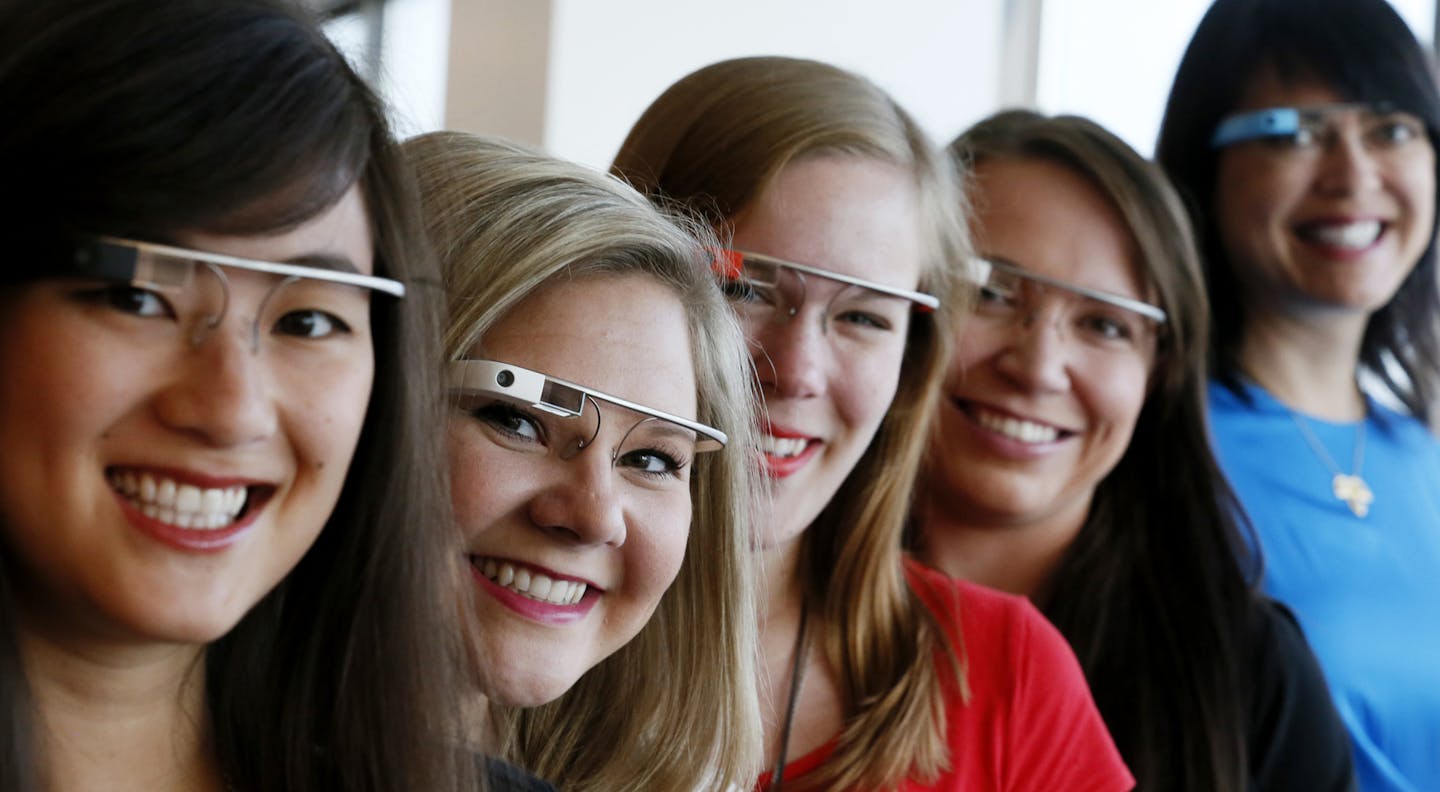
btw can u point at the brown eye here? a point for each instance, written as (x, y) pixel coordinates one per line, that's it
(1395, 131)
(132, 300)
(738, 289)
(310, 324)
(509, 421)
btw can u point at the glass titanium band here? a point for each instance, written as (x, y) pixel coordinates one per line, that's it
(1277, 121)
(1271, 122)
(121, 259)
(1144, 309)
(731, 264)
(559, 397)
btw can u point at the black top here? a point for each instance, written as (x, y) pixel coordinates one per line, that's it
(1296, 739)
(504, 777)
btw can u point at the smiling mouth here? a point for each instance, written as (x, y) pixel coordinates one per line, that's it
(169, 501)
(1356, 235)
(529, 583)
(782, 447)
(1017, 429)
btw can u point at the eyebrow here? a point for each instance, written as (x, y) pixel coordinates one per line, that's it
(1128, 303)
(524, 385)
(325, 266)
(925, 302)
(661, 425)
(336, 262)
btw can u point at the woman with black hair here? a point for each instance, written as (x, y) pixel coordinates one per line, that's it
(1304, 134)
(1070, 464)
(225, 561)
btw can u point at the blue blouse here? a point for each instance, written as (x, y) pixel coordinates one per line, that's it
(1365, 589)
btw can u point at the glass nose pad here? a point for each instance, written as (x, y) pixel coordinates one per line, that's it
(1047, 308)
(582, 428)
(260, 310)
(634, 437)
(211, 293)
(796, 299)
(783, 301)
(212, 296)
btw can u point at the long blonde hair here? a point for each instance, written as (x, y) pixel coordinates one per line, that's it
(675, 708)
(714, 141)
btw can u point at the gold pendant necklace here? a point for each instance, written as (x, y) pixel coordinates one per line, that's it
(1348, 487)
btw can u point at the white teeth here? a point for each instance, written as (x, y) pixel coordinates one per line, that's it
(1016, 429)
(181, 505)
(1353, 236)
(165, 492)
(782, 446)
(533, 584)
(187, 498)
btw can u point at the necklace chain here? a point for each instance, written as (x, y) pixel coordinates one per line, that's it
(797, 677)
(1348, 487)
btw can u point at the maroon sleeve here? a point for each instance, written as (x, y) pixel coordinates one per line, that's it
(1056, 738)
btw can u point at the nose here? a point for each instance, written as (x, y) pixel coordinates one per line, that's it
(583, 505)
(1347, 167)
(220, 391)
(1035, 357)
(792, 355)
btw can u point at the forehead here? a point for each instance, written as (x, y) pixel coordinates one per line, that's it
(854, 215)
(340, 233)
(1266, 89)
(1048, 219)
(625, 335)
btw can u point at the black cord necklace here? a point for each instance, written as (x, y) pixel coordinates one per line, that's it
(797, 677)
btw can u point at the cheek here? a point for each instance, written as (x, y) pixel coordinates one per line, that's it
(325, 424)
(656, 547)
(86, 383)
(975, 344)
(864, 391)
(1118, 397)
(1251, 198)
(1419, 186)
(477, 496)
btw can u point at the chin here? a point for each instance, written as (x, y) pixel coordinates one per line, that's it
(199, 631)
(524, 689)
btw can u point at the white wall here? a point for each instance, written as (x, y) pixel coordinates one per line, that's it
(573, 75)
(414, 59)
(415, 62)
(610, 59)
(1113, 60)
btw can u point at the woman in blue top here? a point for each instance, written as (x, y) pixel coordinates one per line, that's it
(1304, 132)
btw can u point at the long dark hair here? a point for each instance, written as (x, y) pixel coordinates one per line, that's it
(1363, 50)
(1155, 594)
(144, 117)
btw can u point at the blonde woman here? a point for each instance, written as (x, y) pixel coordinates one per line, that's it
(606, 512)
(846, 242)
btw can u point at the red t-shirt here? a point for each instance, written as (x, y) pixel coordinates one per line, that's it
(1030, 723)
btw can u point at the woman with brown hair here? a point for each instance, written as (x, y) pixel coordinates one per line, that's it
(845, 248)
(1071, 465)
